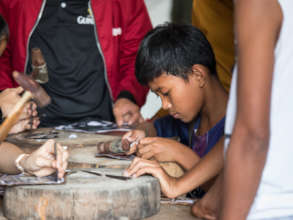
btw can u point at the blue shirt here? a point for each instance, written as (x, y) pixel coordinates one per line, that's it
(170, 127)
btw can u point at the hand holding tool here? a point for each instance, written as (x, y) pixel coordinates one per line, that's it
(33, 90)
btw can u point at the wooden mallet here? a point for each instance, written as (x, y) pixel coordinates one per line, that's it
(32, 90)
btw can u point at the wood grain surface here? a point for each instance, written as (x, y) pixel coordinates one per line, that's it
(85, 196)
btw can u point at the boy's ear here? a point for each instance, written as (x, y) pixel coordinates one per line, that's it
(200, 74)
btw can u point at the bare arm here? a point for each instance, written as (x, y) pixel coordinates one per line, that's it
(257, 27)
(207, 168)
(41, 162)
(208, 206)
(8, 155)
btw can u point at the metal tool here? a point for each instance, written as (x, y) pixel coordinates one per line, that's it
(55, 153)
(42, 135)
(39, 66)
(178, 201)
(107, 175)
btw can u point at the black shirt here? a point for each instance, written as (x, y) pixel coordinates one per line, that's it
(66, 36)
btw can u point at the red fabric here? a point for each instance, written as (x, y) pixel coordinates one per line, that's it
(119, 51)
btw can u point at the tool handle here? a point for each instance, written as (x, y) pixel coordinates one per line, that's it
(13, 116)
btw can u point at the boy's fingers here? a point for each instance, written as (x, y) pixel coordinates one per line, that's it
(133, 164)
(144, 148)
(153, 170)
(132, 149)
(144, 170)
(147, 155)
(139, 164)
(146, 152)
(148, 140)
(128, 135)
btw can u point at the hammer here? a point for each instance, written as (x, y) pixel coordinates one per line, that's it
(32, 90)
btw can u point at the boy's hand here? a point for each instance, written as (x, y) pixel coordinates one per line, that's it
(206, 208)
(162, 149)
(126, 112)
(141, 166)
(134, 138)
(43, 161)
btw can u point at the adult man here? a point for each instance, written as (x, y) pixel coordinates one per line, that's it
(89, 47)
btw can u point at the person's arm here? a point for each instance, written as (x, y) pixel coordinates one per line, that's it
(258, 24)
(8, 155)
(41, 162)
(208, 206)
(168, 150)
(204, 170)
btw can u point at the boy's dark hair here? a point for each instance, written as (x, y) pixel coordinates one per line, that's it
(4, 31)
(173, 49)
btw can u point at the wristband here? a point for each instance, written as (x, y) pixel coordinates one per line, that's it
(17, 162)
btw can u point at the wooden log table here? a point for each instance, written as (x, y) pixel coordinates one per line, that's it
(82, 149)
(85, 196)
(167, 212)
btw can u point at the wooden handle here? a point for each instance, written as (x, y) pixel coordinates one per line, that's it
(13, 115)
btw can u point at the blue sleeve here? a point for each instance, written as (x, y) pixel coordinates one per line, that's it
(169, 127)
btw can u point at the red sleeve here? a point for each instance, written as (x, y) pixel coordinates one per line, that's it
(136, 25)
(6, 80)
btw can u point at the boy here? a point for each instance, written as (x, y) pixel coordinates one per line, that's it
(178, 64)
(12, 159)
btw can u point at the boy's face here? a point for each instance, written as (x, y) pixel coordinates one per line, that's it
(183, 99)
(3, 43)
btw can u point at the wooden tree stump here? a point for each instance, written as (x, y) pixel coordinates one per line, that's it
(85, 196)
